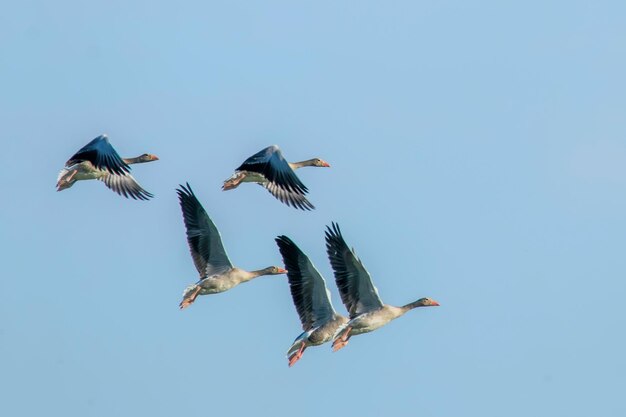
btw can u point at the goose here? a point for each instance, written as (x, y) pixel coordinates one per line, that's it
(98, 160)
(269, 169)
(308, 289)
(217, 273)
(358, 293)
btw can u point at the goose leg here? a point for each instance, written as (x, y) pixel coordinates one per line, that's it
(68, 179)
(342, 340)
(296, 356)
(233, 182)
(190, 297)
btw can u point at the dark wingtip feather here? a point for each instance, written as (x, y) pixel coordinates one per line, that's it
(188, 202)
(141, 195)
(299, 286)
(283, 240)
(184, 191)
(289, 251)
(333, 232)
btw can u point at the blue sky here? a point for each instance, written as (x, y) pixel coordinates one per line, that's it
(478, 157)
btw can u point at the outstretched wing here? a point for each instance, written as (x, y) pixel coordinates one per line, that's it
(358, 293)
(282, 181)
(308, 288)
(102, 155)
(203, 237)
(124, 184)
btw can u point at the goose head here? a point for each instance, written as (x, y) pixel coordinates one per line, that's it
(274, 270)
(422, 302)
(426, 302)
(146, 157)
(317, 162)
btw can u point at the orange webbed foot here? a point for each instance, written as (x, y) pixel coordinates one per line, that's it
(342, 340)
(338, 344)
(296, 356)
(187, 301)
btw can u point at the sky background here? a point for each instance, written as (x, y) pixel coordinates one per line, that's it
(478, 154)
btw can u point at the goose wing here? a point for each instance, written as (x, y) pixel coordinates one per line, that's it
(102, 155)
(308, 289)
(357, 291)
(124, 184)
(205, 243)
(282, 181)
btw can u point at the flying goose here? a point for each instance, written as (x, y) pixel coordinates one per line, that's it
(269, 169)
(308, 289)
(217, 273)
(358, 293)
(98, 160)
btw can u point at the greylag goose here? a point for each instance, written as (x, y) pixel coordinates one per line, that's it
(311, 298)
(270, 169)
(217, 273)
(98, 160)
(358, 293)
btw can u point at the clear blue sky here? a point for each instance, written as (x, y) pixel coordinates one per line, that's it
(478, 155)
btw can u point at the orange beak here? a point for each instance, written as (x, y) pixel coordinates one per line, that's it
(325, 164)
(434, 304)
(282, 271)
(154, 158)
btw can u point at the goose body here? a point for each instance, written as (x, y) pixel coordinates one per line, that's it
(311, 297)
(98, 160)
(217, 273)
(358, 293)
(269, 169)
